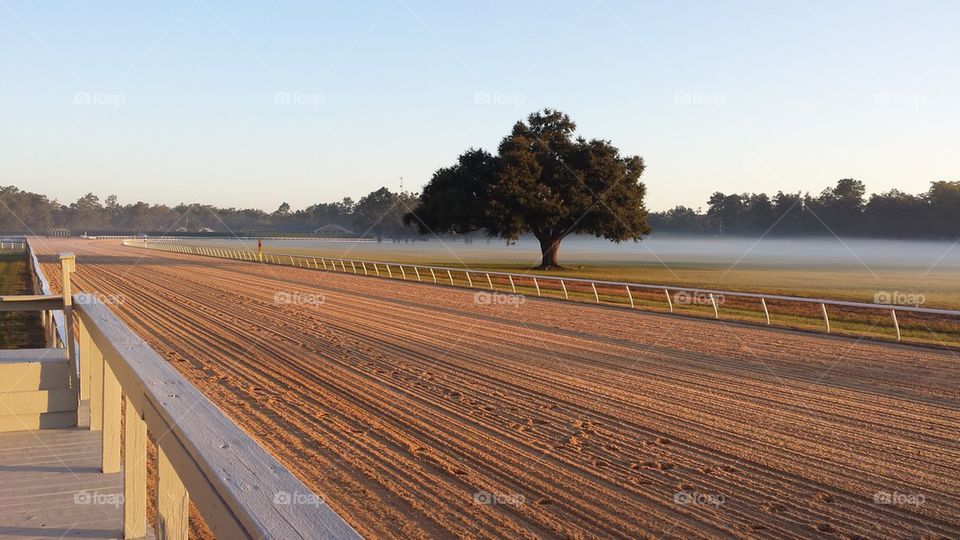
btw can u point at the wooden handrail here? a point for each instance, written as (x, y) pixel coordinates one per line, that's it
(240, 490)
(30, 302)
(54, 321)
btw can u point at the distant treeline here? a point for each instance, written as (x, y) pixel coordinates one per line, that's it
(843, 210)
(378, 214)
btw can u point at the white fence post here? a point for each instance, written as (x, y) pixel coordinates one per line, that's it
(469, 281)
(564, 286)
(766, 312)
(826, 319)
(630, 296)
(716, 312)
(512, 286)
(595, 295)
(896, 324)
(669, 300)
(489, 282)
(537, 285)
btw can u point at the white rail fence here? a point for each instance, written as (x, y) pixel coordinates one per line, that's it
(13, 244)
(574, 289)
(174, 238)
(238, 488)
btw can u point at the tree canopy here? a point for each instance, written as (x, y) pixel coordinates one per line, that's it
(23, 212)
(544, 181)
(843, 210)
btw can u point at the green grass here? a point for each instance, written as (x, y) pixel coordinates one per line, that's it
(18, 329)
(847, 282)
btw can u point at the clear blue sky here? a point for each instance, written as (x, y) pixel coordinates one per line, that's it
(171, 101)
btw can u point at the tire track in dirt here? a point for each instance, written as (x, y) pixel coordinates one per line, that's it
(398, 401)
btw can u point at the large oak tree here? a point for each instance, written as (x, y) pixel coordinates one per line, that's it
(543, 181)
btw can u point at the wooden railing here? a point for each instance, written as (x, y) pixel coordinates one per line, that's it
(238, 488)
(53, 320)
(596, 291)
(38, 387)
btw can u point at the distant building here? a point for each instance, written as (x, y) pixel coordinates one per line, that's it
(334, 230)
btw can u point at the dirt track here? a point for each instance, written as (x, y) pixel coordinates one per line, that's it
(399, 402)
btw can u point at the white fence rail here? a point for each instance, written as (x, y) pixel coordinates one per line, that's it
(174, 238)
(574, 289)
(13, 244)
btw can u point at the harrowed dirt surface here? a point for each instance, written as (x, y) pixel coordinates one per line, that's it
(404, 404)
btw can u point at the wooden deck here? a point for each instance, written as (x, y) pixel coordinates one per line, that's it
(51, 485)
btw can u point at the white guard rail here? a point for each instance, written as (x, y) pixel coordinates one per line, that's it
(588, 287)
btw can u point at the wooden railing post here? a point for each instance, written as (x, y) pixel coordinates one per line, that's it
(134, 473)
(67, 266)
(86, 344)
(110, 460)
(95, 362)
(173, 502)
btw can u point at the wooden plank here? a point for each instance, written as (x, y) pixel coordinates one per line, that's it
(38, 401)
(35, 421)
(51, 486)
(134, 473)
(206, 448)
(111, 421)
(13, 356)
(173, 503)
(203, 492)
(84, 360)
(96, 388)
(35, 375)
(30, 303)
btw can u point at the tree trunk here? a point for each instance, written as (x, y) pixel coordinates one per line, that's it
(549, 248)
